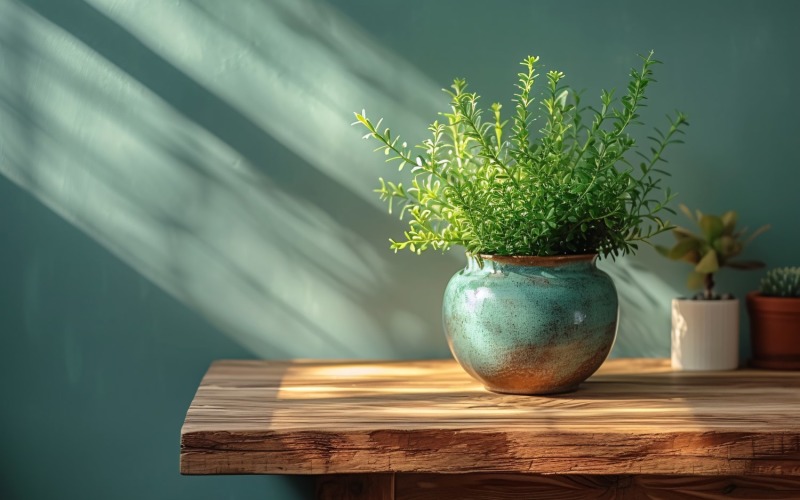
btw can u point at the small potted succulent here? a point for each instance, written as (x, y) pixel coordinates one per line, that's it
(531, 313)
(705, 327)
(775, 320)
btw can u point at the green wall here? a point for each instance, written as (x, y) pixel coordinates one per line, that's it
(180, 183)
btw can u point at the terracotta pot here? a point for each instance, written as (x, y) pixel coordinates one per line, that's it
(774, 331)
(705, 334)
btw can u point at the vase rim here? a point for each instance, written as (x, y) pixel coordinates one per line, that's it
(539, 261)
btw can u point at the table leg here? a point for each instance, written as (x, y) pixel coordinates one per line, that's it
(355, 487)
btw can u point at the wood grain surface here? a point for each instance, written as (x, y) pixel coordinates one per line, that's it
(635, 416)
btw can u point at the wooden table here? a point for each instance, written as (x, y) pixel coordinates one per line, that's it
(425, 430)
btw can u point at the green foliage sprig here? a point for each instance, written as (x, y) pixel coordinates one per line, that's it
(781, 282)
(715, 247)
(571, 189)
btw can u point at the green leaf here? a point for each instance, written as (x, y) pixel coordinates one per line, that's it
(682, 233)
(708, 264)
(561, 99)
(712, 226)
(692, 257)
(687, 212)
(682, 248)
(729, 222)
(756, 233)
(726, 247)
(662, 250)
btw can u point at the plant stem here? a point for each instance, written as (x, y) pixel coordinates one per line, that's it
(709, 293)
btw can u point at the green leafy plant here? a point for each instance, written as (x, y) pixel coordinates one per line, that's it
(781, 282)
(571, 188)
(715, 247)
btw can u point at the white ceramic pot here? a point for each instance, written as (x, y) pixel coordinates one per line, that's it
(705, 334)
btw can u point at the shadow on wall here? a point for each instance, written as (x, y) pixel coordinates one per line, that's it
(644, 298)
(224, 174)
(210, 149)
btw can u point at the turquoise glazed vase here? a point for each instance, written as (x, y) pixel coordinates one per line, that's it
(531, 325)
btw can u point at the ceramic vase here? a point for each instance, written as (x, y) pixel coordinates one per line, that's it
(531, 325)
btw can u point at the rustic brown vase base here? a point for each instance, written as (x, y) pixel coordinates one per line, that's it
(557, 390)
(776, 363)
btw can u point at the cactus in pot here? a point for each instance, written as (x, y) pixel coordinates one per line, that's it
(781, 282)
(775, 320)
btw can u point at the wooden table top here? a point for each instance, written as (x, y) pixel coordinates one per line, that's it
(635, 416)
